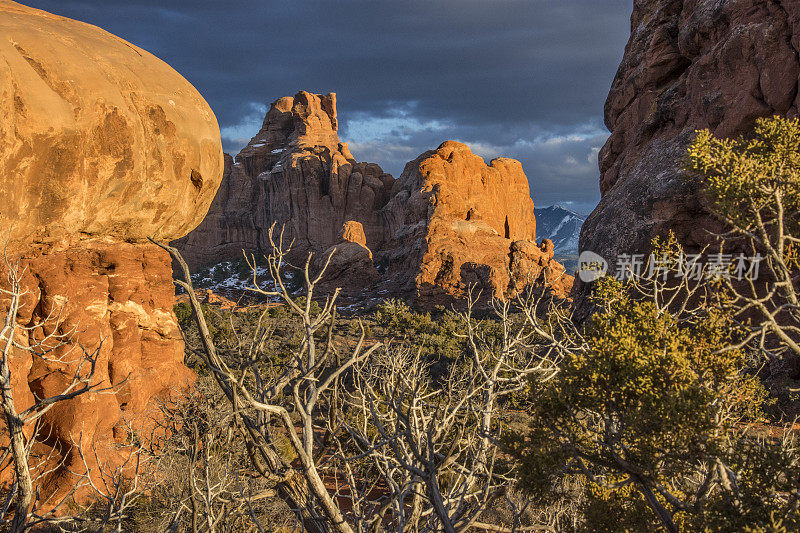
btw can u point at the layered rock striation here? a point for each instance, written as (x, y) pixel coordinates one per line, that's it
(448, 222)
(689, 65)
(102, 146)
(296, 174)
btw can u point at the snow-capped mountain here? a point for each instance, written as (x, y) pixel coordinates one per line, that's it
(561, 226)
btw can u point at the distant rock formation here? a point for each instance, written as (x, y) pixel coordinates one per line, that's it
(350, 265)
(451, 222)
(103, 145)
(447, 222)
(689, 65)
(297, 174)
(353, 231)
(530, 263)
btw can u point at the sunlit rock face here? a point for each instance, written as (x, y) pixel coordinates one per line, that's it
(689, 65)
(451, 224)
(102, 145)
(448, 222)
(297, 174)
(99, 137)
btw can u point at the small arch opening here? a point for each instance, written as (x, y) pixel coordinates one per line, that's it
(508, 229)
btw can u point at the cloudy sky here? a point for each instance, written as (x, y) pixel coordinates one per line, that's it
(514, 78)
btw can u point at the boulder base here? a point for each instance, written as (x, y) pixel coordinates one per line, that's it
(114, 301)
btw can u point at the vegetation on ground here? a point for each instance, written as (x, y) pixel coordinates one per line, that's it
(671, 408)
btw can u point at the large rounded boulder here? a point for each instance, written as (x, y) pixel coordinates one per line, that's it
(98, 137)
(101, 146)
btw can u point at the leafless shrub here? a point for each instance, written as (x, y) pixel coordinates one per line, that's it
(374, 443)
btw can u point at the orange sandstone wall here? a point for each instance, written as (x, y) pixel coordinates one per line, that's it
(102, 145)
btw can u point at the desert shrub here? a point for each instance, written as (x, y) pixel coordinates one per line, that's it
(752, 184)
(753, 181)
(438, 338)
(218, 321)
(183, 312)
(314, 309)
(657, 412)
(202, 474)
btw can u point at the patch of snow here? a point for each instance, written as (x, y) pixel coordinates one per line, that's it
(564, 221)
(222, 278)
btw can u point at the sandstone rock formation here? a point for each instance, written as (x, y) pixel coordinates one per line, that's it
(297, 174)
(689, 65)
(102, 145)
(353, 231)
(531, 263)
(348, 264)
(90, 123)
(451, 222)
(447, 222)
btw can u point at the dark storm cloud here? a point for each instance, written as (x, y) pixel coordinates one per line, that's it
(522, 78)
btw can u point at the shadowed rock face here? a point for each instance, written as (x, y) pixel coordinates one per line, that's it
(348, 264)
(102, 145)
(689, 65)
(297, 174)
(447, 222)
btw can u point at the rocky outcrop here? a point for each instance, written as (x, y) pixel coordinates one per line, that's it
(102, 146)
(449, 220)
(114, 301)
(297, 174)
(689, 65)
(353, 231)
(348, 264)
(530, 264)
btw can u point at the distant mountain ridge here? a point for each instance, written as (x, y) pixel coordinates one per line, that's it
(561, 226)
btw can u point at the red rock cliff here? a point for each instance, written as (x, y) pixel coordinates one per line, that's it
(102, 145)
(689, 65)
